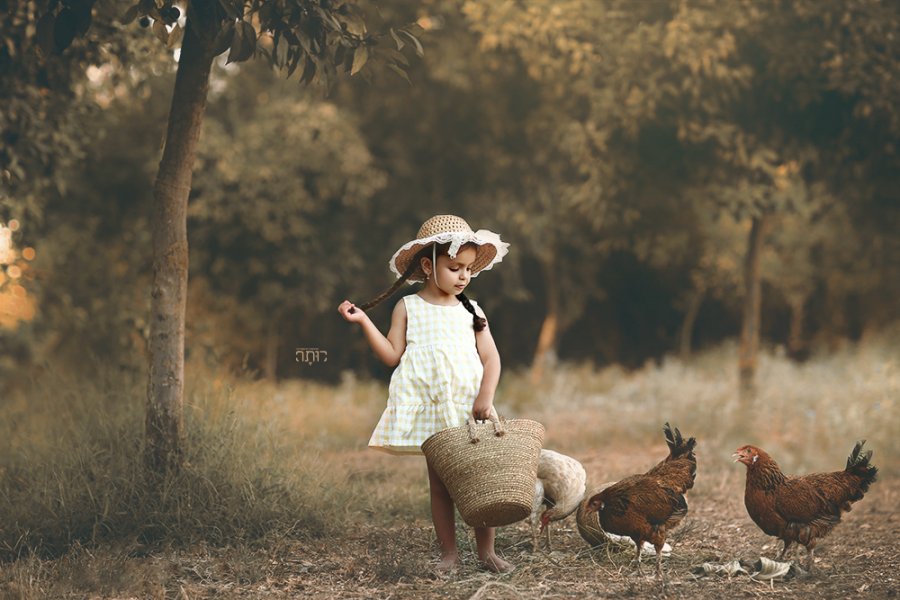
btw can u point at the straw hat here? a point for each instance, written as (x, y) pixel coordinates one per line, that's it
(441, 229)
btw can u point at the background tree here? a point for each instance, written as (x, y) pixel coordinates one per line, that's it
(283, 182)
(639, 140)
(322, 37)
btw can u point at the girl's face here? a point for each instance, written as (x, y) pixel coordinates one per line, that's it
(452, 274)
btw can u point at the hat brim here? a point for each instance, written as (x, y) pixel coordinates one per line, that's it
(490, 251)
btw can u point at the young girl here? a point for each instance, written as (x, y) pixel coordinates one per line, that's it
(447, 363)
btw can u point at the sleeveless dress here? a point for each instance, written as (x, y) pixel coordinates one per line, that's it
(436, 381)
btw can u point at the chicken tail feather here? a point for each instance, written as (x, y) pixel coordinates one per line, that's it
(858, 465)
(678, 446)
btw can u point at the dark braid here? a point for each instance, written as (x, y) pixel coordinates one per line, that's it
(478, 323)
(413, 265)
(406, 274)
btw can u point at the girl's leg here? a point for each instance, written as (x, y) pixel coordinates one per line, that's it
(484, 539)
(444, 521)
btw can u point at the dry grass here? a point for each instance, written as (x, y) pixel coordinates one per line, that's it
(807, 415)
(72, 472)
(284, 500)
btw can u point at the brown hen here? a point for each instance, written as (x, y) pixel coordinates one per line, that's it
(645, 507)
(804, 508)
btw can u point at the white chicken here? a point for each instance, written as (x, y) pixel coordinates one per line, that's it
(560, 487)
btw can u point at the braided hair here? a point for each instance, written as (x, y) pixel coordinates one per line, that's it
(478, 323)
(413, 264)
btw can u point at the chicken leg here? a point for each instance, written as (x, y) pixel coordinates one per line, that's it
(810, 559)
(546, 527)
(787, 545)
(637, 557)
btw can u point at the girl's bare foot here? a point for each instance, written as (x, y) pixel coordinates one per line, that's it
(447, 564)
(494, 563)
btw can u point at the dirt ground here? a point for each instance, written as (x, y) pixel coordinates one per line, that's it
(394, 559)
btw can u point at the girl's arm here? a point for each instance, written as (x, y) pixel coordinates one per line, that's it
(490, 358)
(388, 349)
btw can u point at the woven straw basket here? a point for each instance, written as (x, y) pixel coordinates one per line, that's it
(489, 468)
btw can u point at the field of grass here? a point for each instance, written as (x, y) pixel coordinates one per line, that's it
(282, 499)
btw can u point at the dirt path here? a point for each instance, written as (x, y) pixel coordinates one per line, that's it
(389, 556)
(859, 558)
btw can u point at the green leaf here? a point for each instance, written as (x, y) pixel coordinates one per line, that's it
(397, 56)
(222, 41)
(304, 41)
(419, 50)
(399, 71)
(175, 36)
(249, 37)
(243, 44)
(397, 39)
(281, 50)
(81, 9)
(359, 59)
(130, 15)
(230, 9)
(63, 29)
(160, 31)
(328, 18)
(309, 71)
(295, 56)
(236, 44)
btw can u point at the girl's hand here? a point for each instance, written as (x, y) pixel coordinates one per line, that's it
(481, 409)
(351, 312)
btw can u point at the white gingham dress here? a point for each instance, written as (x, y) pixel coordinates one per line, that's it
(437, 380)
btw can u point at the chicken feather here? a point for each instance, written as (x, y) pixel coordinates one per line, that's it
(802, 509)
(645, 507)
(559, 487)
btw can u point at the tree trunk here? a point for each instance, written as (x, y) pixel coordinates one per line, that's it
(272, 340)
(546, 344)
(165, 387)
(796, 345)
(749, 348)
(690, 319)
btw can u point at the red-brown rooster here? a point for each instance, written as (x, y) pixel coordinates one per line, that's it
(805, 508)
(645, 507)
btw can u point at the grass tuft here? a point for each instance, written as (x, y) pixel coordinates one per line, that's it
(72, 473)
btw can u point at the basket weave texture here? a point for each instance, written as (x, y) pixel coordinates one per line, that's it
(489, 468)
(589, 524)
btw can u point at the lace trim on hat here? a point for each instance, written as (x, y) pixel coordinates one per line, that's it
(457, 239)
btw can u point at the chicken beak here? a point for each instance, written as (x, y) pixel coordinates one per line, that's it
(737, 456)
(545, 519)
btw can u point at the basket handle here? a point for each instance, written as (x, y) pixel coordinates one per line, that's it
(494, 418)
